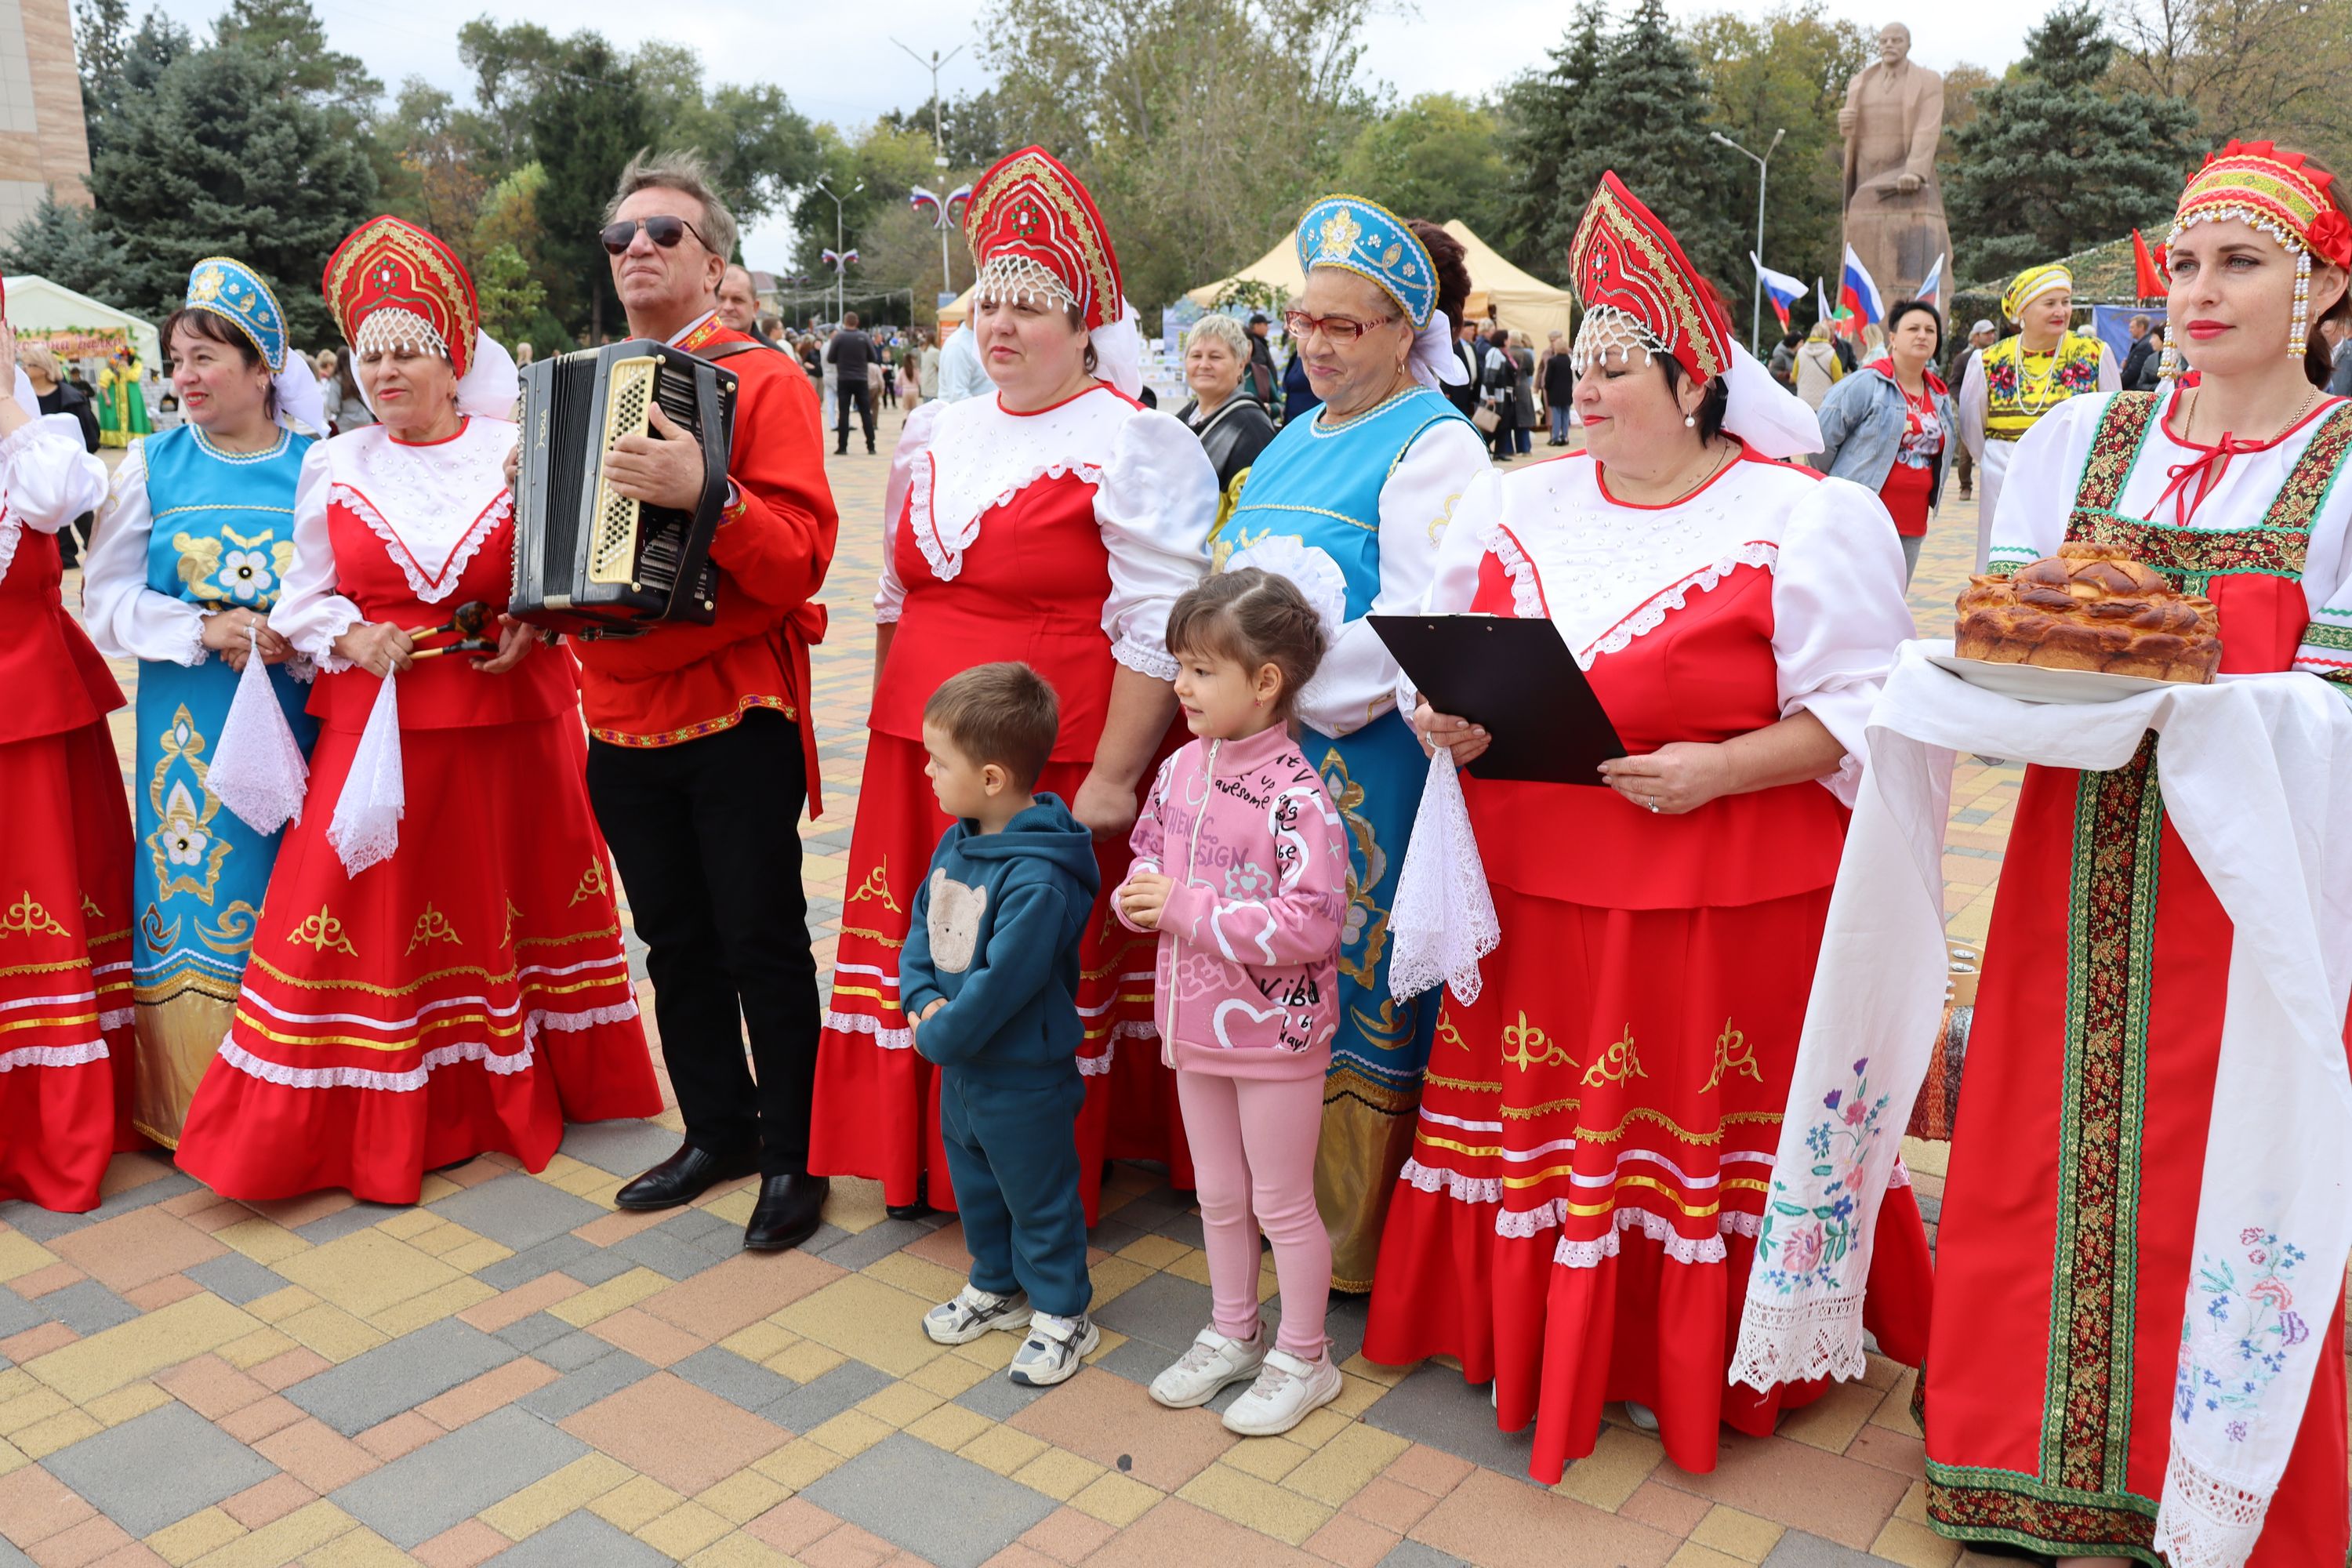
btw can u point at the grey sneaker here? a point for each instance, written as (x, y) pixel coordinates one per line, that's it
(1052, 1352)
(973, 1313)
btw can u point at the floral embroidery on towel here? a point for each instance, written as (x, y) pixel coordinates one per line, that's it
(1814, 1235)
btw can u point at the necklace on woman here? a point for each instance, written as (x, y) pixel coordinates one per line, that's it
(2031, 401)
(2188, 420)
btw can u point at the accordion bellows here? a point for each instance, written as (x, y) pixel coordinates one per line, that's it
(588, 560)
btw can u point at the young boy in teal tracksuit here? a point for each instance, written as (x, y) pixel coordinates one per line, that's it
(989, 979)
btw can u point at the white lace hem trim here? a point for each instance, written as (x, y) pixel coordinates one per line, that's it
(1521, 1224)
(1797, 1342)
(945, 556)
(2206, 1520)
(453, 570)
(891, 1039)
(78, 1056)
(1653, 611)
(1527, 592)
(117, 1018)
(439, 1056)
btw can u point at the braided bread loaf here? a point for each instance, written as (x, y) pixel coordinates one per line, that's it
(2090, 607)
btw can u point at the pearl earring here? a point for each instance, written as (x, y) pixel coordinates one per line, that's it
(2298, 331)
(1690, 421)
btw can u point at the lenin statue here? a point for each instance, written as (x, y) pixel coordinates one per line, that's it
(1894, 210)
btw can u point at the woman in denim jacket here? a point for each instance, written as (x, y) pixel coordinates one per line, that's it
(1892, 426)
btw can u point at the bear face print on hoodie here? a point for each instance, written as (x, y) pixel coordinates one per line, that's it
(994, 934)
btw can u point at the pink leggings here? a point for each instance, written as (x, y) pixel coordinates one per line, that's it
(1253, 1143)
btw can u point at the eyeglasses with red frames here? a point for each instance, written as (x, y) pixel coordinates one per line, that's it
(661, 229)
(1340, 330)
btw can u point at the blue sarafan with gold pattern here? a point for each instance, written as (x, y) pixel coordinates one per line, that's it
(236, 293)
(1366, 238)
(222, 539)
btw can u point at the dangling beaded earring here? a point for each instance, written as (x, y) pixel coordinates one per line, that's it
(2298, 331)
(2167, 367)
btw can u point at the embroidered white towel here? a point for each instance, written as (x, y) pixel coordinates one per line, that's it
(1443, 919)
(366, 827)
(257, 769)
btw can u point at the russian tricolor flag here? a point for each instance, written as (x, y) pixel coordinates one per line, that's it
(1783, 289)
(1858, 295)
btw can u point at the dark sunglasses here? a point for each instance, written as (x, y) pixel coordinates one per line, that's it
(662, 229)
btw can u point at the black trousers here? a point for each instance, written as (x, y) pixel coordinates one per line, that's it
(845, 394)
(707, 837)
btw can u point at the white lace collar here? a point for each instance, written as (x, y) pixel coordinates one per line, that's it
(1607, 572)
(432, 506)
(981, 457)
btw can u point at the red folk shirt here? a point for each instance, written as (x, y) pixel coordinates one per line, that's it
(681, 682)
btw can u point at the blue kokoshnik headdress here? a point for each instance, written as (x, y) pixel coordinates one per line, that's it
(236, 293)
(1366, 238)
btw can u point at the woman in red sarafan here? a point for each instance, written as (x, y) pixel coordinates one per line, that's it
(66, 1048)
(438, 971)
(1598, 1128)
(1054, 521)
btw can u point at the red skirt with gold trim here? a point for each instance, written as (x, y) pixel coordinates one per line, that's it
(468, 996)
(877, 1102)
(1589, 1173)
(66, 1037)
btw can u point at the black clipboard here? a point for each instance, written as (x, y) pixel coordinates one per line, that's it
(1518, 679)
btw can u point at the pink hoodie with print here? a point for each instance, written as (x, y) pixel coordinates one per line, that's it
(1246, 984)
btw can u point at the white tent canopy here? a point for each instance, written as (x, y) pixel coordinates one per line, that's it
(1521, 302)
(38, 305)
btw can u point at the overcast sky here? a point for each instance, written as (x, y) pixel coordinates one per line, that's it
(822, 52)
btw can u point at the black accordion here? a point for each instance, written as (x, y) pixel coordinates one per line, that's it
(589, 561)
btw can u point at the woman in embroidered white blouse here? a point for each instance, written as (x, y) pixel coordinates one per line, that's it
(1598, 1121)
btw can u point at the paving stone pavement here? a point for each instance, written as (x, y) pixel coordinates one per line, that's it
(513, 1373)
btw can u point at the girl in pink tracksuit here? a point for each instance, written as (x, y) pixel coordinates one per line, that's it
(1241, 866)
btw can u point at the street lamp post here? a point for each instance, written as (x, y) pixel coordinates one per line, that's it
(938, 147)
(840, 269)
(1763, 172)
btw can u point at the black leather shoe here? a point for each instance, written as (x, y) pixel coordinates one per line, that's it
(790, 1209)
(684, 1177)
(921, 1207)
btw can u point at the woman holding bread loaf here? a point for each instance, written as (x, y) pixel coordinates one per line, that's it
(1586, 1186)
(2056, 1353)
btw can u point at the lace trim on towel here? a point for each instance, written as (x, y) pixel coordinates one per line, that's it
(439, 1056)
(1820, 1337)
(452, 570)
(1527, 591)
(2203, 1521)
(58, 1055)
(1655, 610)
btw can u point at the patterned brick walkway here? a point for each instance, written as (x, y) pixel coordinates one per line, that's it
(514, 1372)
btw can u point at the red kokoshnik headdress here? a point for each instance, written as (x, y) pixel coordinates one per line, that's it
(1639, 290)
(1034, 230)
(392, 284)
(2280, 195)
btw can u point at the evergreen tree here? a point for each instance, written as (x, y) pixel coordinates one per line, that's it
(2052, 164)
(63, 243)
(586, 122)
(212, 160)
(288, 36)
(1648, 112)
(118, 64)
(1549, 114)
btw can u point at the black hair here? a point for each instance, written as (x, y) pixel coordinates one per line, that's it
(1908, 307)
(1710, 407)
(213, 327)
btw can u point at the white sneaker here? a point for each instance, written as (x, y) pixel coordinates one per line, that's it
(1644, 1418)
(1213, 1363)
(1287, 1388)
(973, 1313)
(1052, 1352)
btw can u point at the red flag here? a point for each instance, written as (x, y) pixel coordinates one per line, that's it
(2149, 280)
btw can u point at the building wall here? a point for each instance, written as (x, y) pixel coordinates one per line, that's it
(43, 142)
